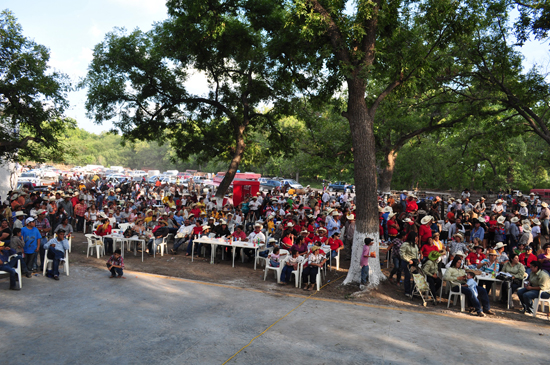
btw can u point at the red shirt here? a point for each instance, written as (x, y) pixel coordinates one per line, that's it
(527, 262)
(335, 243)
(241, 236)
(412, 206)
(424, 232)
(197, 230)
(451, 217)
(103, 232)
(474, 258)
(286, 243)
(393, 228)
(426, 249)
(196, 212)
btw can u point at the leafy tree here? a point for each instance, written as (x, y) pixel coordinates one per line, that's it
(32, 97)
(138, 79)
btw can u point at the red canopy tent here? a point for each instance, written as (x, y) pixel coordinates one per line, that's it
(243, 184)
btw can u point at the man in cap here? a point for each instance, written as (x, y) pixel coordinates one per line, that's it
(31, 236)
(55, 249)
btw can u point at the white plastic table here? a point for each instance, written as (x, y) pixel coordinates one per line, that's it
(119, 238)
(493, 289)
(215, 242)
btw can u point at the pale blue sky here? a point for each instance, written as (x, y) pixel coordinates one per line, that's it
(70, 29)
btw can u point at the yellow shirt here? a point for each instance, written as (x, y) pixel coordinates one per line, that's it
(270, 226)
(148, 219)
(291, 191)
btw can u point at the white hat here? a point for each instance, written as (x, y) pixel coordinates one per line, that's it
(351, 217)
(223, 222)
(459, 201)
(391, 215)
(544, 204)
(536, 222)
(501, 220)
(29, 220)
(520, 194)
(523, 204)
(499, 245)
(52, 198)
(206, 226)
(388, 209)
(525, 221)
(498, 201)
(258, 225)
(335, 213)
(407, 220)
(532, 194)
(526, 228)
(290, 224)
(514, 220)
(20, 213)
(427, 219)
(460, 253)
(41, 211)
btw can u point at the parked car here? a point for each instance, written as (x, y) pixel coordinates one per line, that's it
(50, 174)
(268, 184)
(295, 185)
(340, 186)
(29, 177)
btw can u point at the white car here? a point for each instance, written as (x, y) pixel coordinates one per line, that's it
(49, 174)
(29, 177)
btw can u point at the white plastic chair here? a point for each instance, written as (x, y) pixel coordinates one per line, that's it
(457, 294)
(123, 226)
(95, 242)
(163, 246)
(542, 303)
(48, 263)
(17, 270)
(298, 273)
(277, 270)
(336, 258)
(70, 240)
(317, 278)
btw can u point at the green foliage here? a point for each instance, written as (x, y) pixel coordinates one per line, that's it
(32, 97)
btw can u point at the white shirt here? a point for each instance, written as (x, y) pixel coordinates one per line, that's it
(254, 205)
(253, 237)
(535, 231)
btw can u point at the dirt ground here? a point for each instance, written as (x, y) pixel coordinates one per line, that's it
(243, 275)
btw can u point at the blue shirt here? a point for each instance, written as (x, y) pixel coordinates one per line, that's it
(333, 226)
(60, 246)
(30, 237)
(479, 233)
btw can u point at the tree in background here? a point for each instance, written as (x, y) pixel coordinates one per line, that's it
(32, 97)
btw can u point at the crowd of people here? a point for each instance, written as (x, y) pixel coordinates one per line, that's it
(458, 235)
(464, 238)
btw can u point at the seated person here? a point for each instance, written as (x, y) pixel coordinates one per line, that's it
(291, 264)
(525, 258)
(314, 261)
(196, 233)
(116, 265)
(300, 245)
(457, 276)
(335, 244)
(105, 229)
(517, 270)
(430, 269)
(491, 267)
(159, 232)
(274, 258)
(474, 258)
(8, 265)
(55, 249)
(182, 236)
(538, 281)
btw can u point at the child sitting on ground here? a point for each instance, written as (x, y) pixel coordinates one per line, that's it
(116, 265)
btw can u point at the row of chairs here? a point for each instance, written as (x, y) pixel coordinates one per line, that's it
(297, 273)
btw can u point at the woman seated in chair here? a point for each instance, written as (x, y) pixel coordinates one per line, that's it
(335, 244)
(291, 264)
(314, 261)
(288, 239)
(430, 269)
(517, 270)
(457, 277)
(104, 229)
(299, 245)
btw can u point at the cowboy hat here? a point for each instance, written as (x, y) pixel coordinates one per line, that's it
(407, 220)
(514, 220)
(525, 221)
(41, 211)
(392, 215)
(523, 204)
(526, 228)
(258, 225)
(322, 229)
(459, 253)
(335, 213)
(482, 198)
(536, 222)
(492, 252)
(206, 227)
(458, 234)
(19, 214)
(380, 210)
(477, 246)
(501, 220)
(434, 255)
(544, 204)
(290, 224)
(498, 201)
(351, 217)
(315, 248)
(499, 245)
(427, 219)
(388, 209)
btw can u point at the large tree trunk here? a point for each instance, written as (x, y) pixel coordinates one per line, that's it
(234, 165)
(364, 154)
(387, 173)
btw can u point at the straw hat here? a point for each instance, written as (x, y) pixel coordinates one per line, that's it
(525, 221)
(544, 204)
(388, 209)
(492, 252)
(458, 234)
(335, 213)
(501, 220)
(526, 228)
(391, 215)
(351, 217)
(514, 220)
(206, 227)
(20, 214)
(536, 222)
(322, 229)
(523, 204)
(315, 248)
(427, 219)
(498, 201)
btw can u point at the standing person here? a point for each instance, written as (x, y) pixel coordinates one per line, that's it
(31, 236)
(349, 232)
(395, 246)
(79, 212)
(115, 265)
(365, 262)
(55, 250)
(409, 256)
(544, 216)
